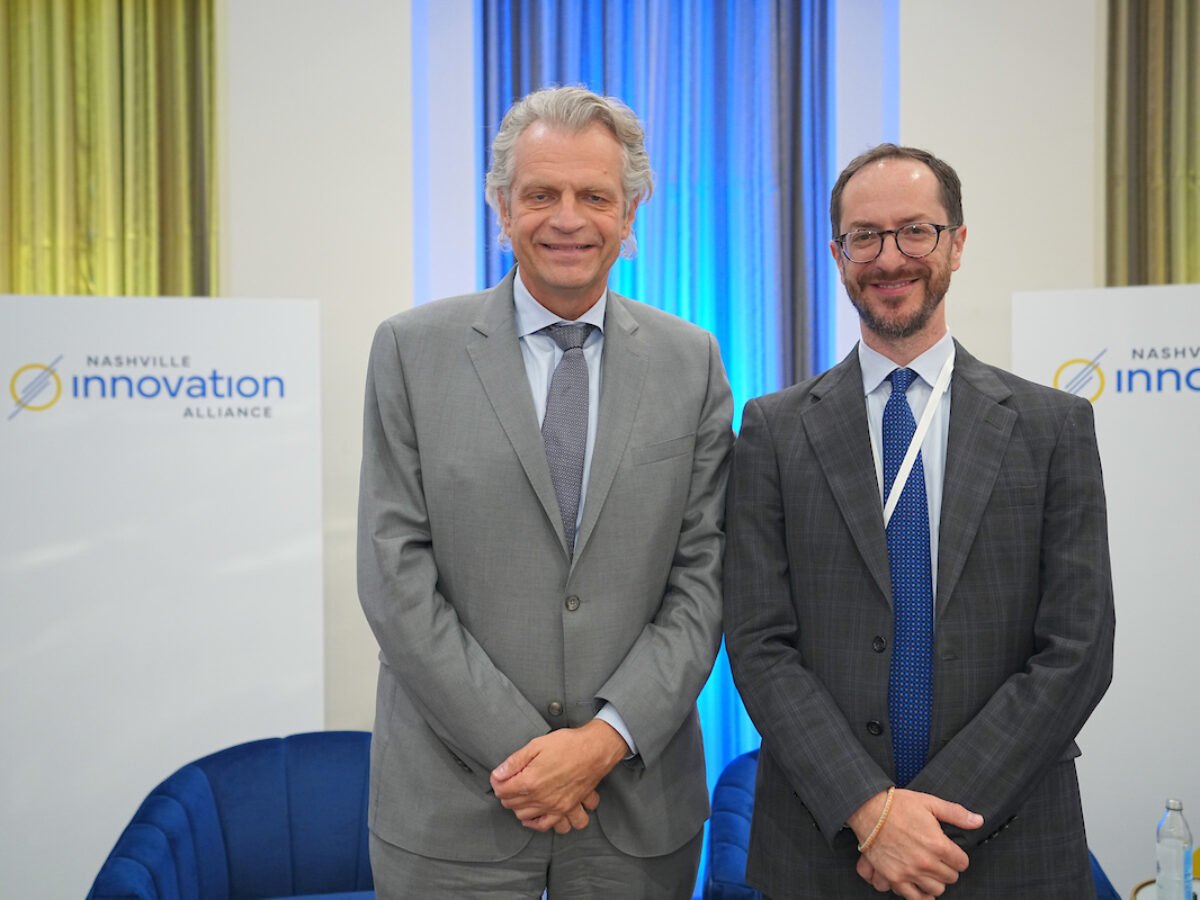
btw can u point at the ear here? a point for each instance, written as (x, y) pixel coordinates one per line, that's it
(838, 259)
(629, 216)
(505, 218)
(956, 248)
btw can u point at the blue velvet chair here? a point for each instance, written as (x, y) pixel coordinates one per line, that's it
(276, 818)
(729, 831)
(729, 836)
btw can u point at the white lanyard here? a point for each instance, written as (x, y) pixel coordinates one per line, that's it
(914, 446)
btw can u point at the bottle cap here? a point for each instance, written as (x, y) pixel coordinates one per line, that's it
(1174, 804)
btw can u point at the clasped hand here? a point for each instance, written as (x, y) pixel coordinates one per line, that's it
(911, 855)
(551, 781)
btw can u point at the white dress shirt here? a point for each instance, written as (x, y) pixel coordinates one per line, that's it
(877, 388)
(541, 354)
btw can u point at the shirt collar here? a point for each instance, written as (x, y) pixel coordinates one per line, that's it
(533, 317)
(876, 367)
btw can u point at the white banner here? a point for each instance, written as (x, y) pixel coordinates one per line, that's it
(1135, 353)
(160, 557)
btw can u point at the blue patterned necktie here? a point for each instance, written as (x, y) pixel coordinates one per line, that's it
(910, 681)
(565, 425)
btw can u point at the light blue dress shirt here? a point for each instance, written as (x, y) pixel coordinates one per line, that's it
(877, 388)
(541, 355)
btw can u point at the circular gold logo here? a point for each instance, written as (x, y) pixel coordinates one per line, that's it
(26, 390)
(1075, 377)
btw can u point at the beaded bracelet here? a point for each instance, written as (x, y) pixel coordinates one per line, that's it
(887, 807)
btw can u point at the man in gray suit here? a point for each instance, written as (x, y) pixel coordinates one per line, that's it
(542, 645)
(918, 685)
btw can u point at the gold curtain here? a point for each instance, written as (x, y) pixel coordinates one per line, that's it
(1154, 142)
(107, 147)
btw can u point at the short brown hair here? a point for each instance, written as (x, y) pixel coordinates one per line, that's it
(943, 171)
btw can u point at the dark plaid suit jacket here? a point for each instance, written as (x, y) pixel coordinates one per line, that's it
(1024, 629)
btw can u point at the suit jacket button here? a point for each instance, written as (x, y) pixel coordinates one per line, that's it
(555, 709)
(572, 603)
(879, 644)
(875, 728)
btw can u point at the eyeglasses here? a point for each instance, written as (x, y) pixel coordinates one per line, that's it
(914, 241)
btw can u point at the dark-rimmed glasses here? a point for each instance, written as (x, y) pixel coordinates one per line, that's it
(914, 241)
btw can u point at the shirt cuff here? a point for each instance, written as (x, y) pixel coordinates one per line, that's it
(608, 713)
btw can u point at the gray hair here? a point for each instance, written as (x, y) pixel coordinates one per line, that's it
(572, 109)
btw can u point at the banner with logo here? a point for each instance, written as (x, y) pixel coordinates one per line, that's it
(1135, 354)
(160, 561)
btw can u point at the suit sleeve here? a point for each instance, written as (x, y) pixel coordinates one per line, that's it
(993, 763)
(824, 761)
(469, 703)
(655, 686)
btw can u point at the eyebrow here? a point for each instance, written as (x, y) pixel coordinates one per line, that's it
(584, 189)
(868, 225)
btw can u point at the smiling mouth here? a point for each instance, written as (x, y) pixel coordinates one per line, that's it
(894, 285)
(567, 246)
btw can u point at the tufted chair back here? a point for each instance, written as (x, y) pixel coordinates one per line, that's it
(276, 818)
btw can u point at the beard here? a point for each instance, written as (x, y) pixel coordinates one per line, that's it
(936, 285)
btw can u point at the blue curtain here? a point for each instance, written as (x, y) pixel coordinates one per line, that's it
(734, 98)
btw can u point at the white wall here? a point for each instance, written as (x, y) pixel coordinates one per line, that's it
(446, 150)
(1012, 95)
(317, 202)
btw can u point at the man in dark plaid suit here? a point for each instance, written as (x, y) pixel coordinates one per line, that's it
(1020, 608)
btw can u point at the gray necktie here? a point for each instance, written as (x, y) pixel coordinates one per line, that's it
(564, 428)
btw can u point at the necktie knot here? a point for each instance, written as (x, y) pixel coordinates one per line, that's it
(902, 378)
(569, 337)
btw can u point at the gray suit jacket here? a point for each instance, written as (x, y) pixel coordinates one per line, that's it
(1024, 628)
(490, 636)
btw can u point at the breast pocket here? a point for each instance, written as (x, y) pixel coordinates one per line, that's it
(1016, 495)
(661, 450)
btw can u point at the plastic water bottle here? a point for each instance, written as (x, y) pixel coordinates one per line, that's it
(1174, 847)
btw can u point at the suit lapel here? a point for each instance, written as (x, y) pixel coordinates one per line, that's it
(624, 373)
(980, 430)
(836, 425)
(496, 354)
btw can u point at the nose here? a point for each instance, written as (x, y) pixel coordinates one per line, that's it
(890, 255)
(567, 214)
